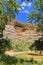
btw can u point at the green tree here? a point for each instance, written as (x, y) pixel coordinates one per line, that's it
(37, 45)
(8, 9)
(36, 15)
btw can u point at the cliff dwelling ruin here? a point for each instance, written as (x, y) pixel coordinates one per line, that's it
(21, 31)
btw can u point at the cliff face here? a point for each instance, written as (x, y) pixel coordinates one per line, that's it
(21, 31)
(17, 24)
(9, 32)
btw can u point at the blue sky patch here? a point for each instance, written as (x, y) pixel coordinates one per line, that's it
(23, 13)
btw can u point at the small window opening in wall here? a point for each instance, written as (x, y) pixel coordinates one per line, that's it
(24, 29)
(17, 26)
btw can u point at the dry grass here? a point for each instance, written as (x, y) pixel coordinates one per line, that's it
(25, 56)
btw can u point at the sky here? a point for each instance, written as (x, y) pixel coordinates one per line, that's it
(22, 16)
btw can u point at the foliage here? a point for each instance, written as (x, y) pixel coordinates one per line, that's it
(37, 45)
(40, 28)
(2, 25)
(20, 45)
(37, 13)
(8, 60)
(8, 8)
(4, 45)
(36, 16)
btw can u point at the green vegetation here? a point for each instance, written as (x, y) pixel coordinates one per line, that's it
(7, 14)
(36, 14)
(37, 17)
(4, 45)
(20, 45)
(8, 60)
(37, 45)
(8, 8)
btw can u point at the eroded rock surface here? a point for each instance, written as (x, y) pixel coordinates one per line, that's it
(18, 31)
(9, 32)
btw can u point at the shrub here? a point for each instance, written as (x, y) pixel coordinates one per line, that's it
(9, 60)
(20, 45)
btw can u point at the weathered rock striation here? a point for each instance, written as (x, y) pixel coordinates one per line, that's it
(21, 31)
(9, 32)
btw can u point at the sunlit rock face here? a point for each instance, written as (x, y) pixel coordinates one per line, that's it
(20, 31)
(28, 35)
(9, 32)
